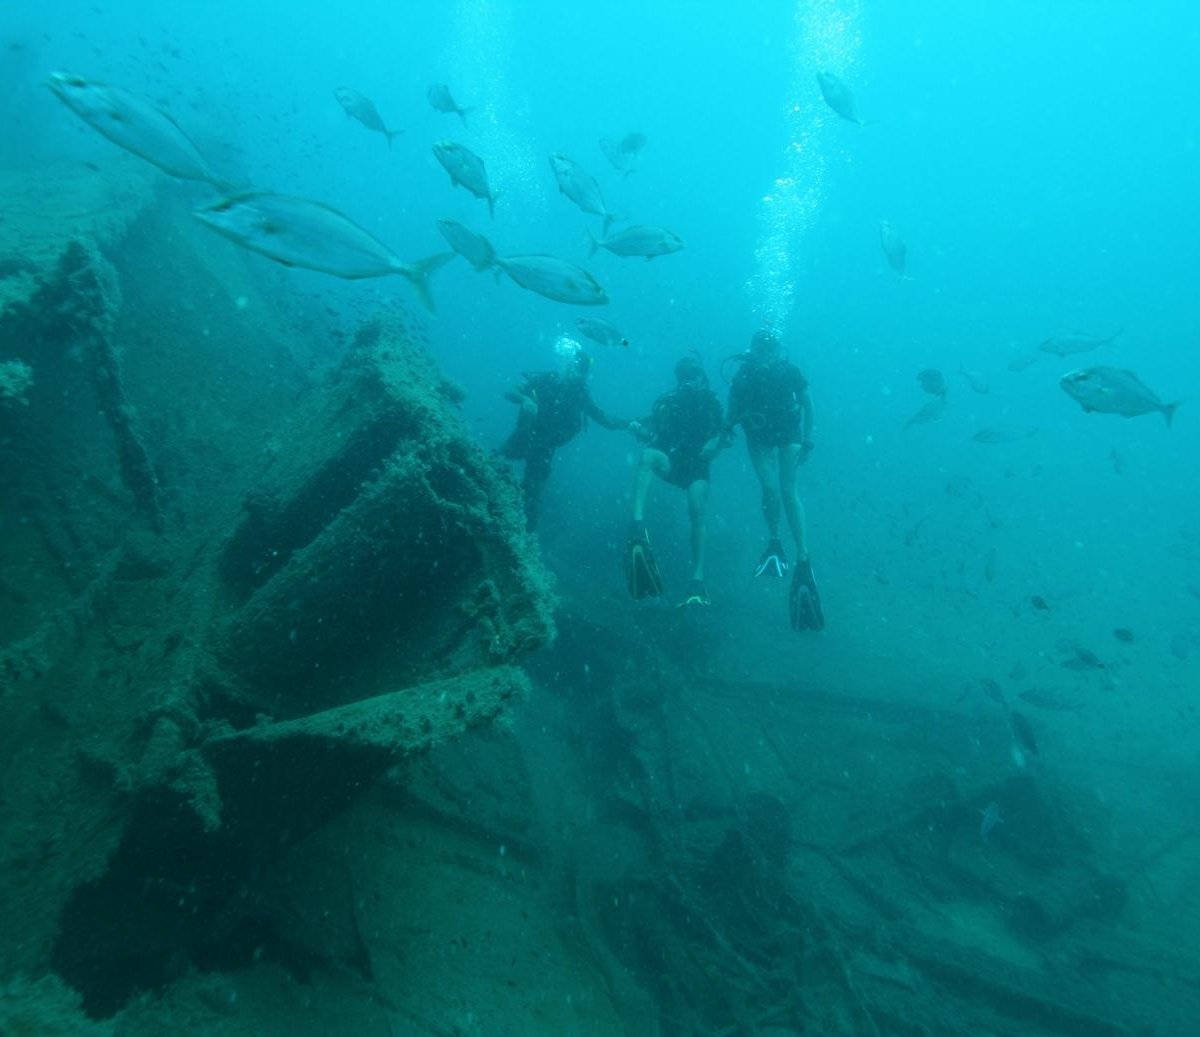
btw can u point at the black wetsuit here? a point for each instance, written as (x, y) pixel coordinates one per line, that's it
(767, 400)
(681, 422)
(564, 405)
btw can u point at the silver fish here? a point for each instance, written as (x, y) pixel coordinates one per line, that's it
(577, 184)
(1111, 390)
(474, 248)
(632, 143)
(134, 124)
(932, 381)
(620, 160)
(838, 96)
(439, 97)
(989, 819)
(974, 379)
(600, 330)
(932, 410)
(555, 279)
(300, 232)
(1065, 345)
(1084, 659)
(466, 169)
(363, 109)
(893, 247)
(993, 691)
(638, 241)
(1003, 434)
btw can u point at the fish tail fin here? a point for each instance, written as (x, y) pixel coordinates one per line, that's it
(593, 244)
(418, 275)
(462, 114)
(609, 219)
(492, 199)
(1169, 411)
(390, 134)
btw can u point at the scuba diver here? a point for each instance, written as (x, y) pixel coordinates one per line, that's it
(769, 398)
(683, 434)
(554, 407)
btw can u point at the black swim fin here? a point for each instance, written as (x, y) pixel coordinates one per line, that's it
(641, 570)
(805, 602)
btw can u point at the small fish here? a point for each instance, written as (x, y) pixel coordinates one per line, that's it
(975, 380)
(1123, 634)
(1066, 345)
(363, 109)
(1023, 732)
(1049, 699)
(466, 169)
(993, 691)
(1039, 603)
(1111, 390)
(133, 123)
(1002, 434)
(623, 153)
(600, 330)
(439, 97)
(639, 241)
(990, 818)
(632, 143)
(1117, 460)
(474, 248)
(893, 247)
(300, 232)
(932, 410)
(577, 184)
(1084, 659)
(1019, 363)
(932, 382)
(838, 96)
(619, 159)
(555, 279)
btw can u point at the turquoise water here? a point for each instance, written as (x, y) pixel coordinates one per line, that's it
(1039, 162)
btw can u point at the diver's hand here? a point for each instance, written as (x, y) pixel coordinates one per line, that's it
(637, 430)
(713, 447)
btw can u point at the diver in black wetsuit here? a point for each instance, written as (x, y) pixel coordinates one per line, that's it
(769, 398)
(683, 434)
(554, 409)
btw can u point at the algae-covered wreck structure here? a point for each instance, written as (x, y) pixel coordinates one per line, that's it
(234, 594)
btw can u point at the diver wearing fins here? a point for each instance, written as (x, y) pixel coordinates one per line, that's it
(769, 398)
(682, 434)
